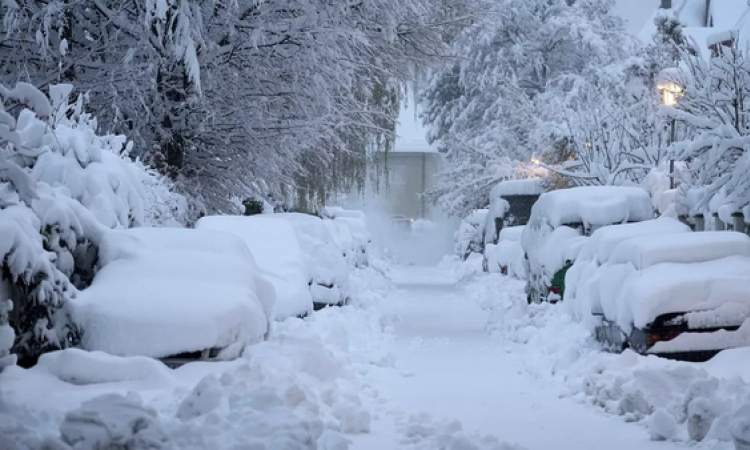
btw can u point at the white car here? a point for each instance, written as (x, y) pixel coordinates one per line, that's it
(326, 264)
(173, 292)
(274, 245)
(683, 295)
(559, 224)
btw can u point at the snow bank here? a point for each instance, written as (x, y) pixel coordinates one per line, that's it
(165, 291)
(277, 251)
(302, 388)
(80, 367)
(673, 400)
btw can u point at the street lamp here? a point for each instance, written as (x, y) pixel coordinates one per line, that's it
(670, 94)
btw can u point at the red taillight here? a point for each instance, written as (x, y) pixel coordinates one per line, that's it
(661, 335)
(555, 290)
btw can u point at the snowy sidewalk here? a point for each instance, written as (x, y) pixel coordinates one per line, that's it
(449, 367)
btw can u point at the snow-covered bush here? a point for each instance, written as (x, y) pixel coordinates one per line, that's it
(469, 236)
(507, 255)
(61, 185)
(714, 108)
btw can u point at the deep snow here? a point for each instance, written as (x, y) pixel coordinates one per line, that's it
(438, 358)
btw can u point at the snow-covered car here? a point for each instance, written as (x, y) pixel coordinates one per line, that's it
(559, 225)
(173, 293)
(349, 230)
(507, 257)
(277, 251)
(683, 295)
(470, 234)
(329, 272)
(510, 205)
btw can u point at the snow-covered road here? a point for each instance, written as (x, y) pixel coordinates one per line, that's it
(450, 369)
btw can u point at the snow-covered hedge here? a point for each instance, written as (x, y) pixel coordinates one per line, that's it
(61, 185)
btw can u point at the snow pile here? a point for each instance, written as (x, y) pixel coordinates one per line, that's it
(113, 421)
(277, 251)
(675, 401)
(672, 400)
(469, 237)
(349, 230)
(422, 432)
(80, 367)
(507, 256)
(299, 389)
(325, 262)
(165, 291)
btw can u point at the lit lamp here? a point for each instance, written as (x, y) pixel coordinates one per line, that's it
(670, 94)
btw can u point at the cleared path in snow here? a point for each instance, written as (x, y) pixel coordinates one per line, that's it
(448, 367)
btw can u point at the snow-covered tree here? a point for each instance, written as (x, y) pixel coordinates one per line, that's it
(234, 98)
(714, 108)
(488, 107)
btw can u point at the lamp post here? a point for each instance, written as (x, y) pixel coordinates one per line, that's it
(670, 94)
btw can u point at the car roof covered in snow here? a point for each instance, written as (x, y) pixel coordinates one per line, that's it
(529, 186)
(604, 240)
(648, 250)
(592, 206)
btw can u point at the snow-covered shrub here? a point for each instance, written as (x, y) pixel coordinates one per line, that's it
(507, 255)
(61, 185)
(7, 335)
(469, 237)
(715, 111)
